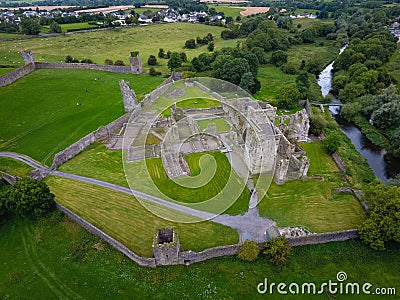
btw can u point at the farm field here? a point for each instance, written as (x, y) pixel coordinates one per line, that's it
(51, 109)
(55, 258)
(127, 220)
(313, 204)
(229, 11)
(14, 167)
(71, 26)
(115, 44)
(5, 70)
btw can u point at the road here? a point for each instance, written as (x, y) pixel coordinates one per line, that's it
(249, 226)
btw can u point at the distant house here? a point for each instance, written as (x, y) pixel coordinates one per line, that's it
(119, 23)
(144, 19)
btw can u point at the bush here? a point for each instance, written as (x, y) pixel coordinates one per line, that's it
(190, 44)
(152, 60)
(248, 251)
(278, 58)
(317, 124)
(289, 69)
(31, 198)
(108, 62)
(331, 144)
(153, 72)
(87, 61)
(119, 63)
(277, 250)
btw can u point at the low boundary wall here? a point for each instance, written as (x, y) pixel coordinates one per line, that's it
(107, 68)
(14, 75)
(190, 257)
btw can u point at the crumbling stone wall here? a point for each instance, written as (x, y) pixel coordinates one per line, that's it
(128, 96)
(76, 66)
(11, 179)
(14, 75)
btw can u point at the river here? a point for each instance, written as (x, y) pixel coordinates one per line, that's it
(385, 166)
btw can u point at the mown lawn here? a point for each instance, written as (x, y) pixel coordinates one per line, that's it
(71, 26)
(124, 218)
(55, 258)
(48, 110)
(149, 176)
(313, 204)
(117, 44)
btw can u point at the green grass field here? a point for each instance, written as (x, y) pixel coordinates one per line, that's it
(43, 116)
(220, 123)
(71, 26)
(313, 204)
(229, 11)
(55, 258)
(5, 70)
(14, 167)
(124, 218)
(4, 35)
(97, 162)
(116, 44)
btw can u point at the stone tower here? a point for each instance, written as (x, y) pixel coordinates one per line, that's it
(166, 247)
(28, 57)
(136, 63)
(128, 96)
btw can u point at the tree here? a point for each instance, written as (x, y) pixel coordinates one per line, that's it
(30, 26)
(31, 198)
(190, 44)
(383, 222)
(233, 70)
(183, 56)
(249, 251)
(210, 46)
(308, 35)
(302, 82)
(55, 27)
(247, 82)
(317, 123)
(174, 62)
(289, 96)
(277, 250)
(331, 143)
(152, 60)
(278, 58)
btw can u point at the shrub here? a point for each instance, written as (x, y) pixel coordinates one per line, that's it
(277, 250)
(153, 72)
(248, 251)
(108, 62)
(87, 61)
(190, 44)
(331, 144)
(119, 63)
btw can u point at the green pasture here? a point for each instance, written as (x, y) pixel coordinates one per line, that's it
(5, 35)
(5, 70)
(127, 220)
(56, 258)
(229, 11)
(14, 167)
(71, 26)
(116, 44)
(48, 110)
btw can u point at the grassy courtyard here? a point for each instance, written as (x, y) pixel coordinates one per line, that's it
(220, 123)
(51, 109)
(55, 258)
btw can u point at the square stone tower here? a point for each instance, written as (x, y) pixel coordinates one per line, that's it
(166, 247)
(136, 63)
